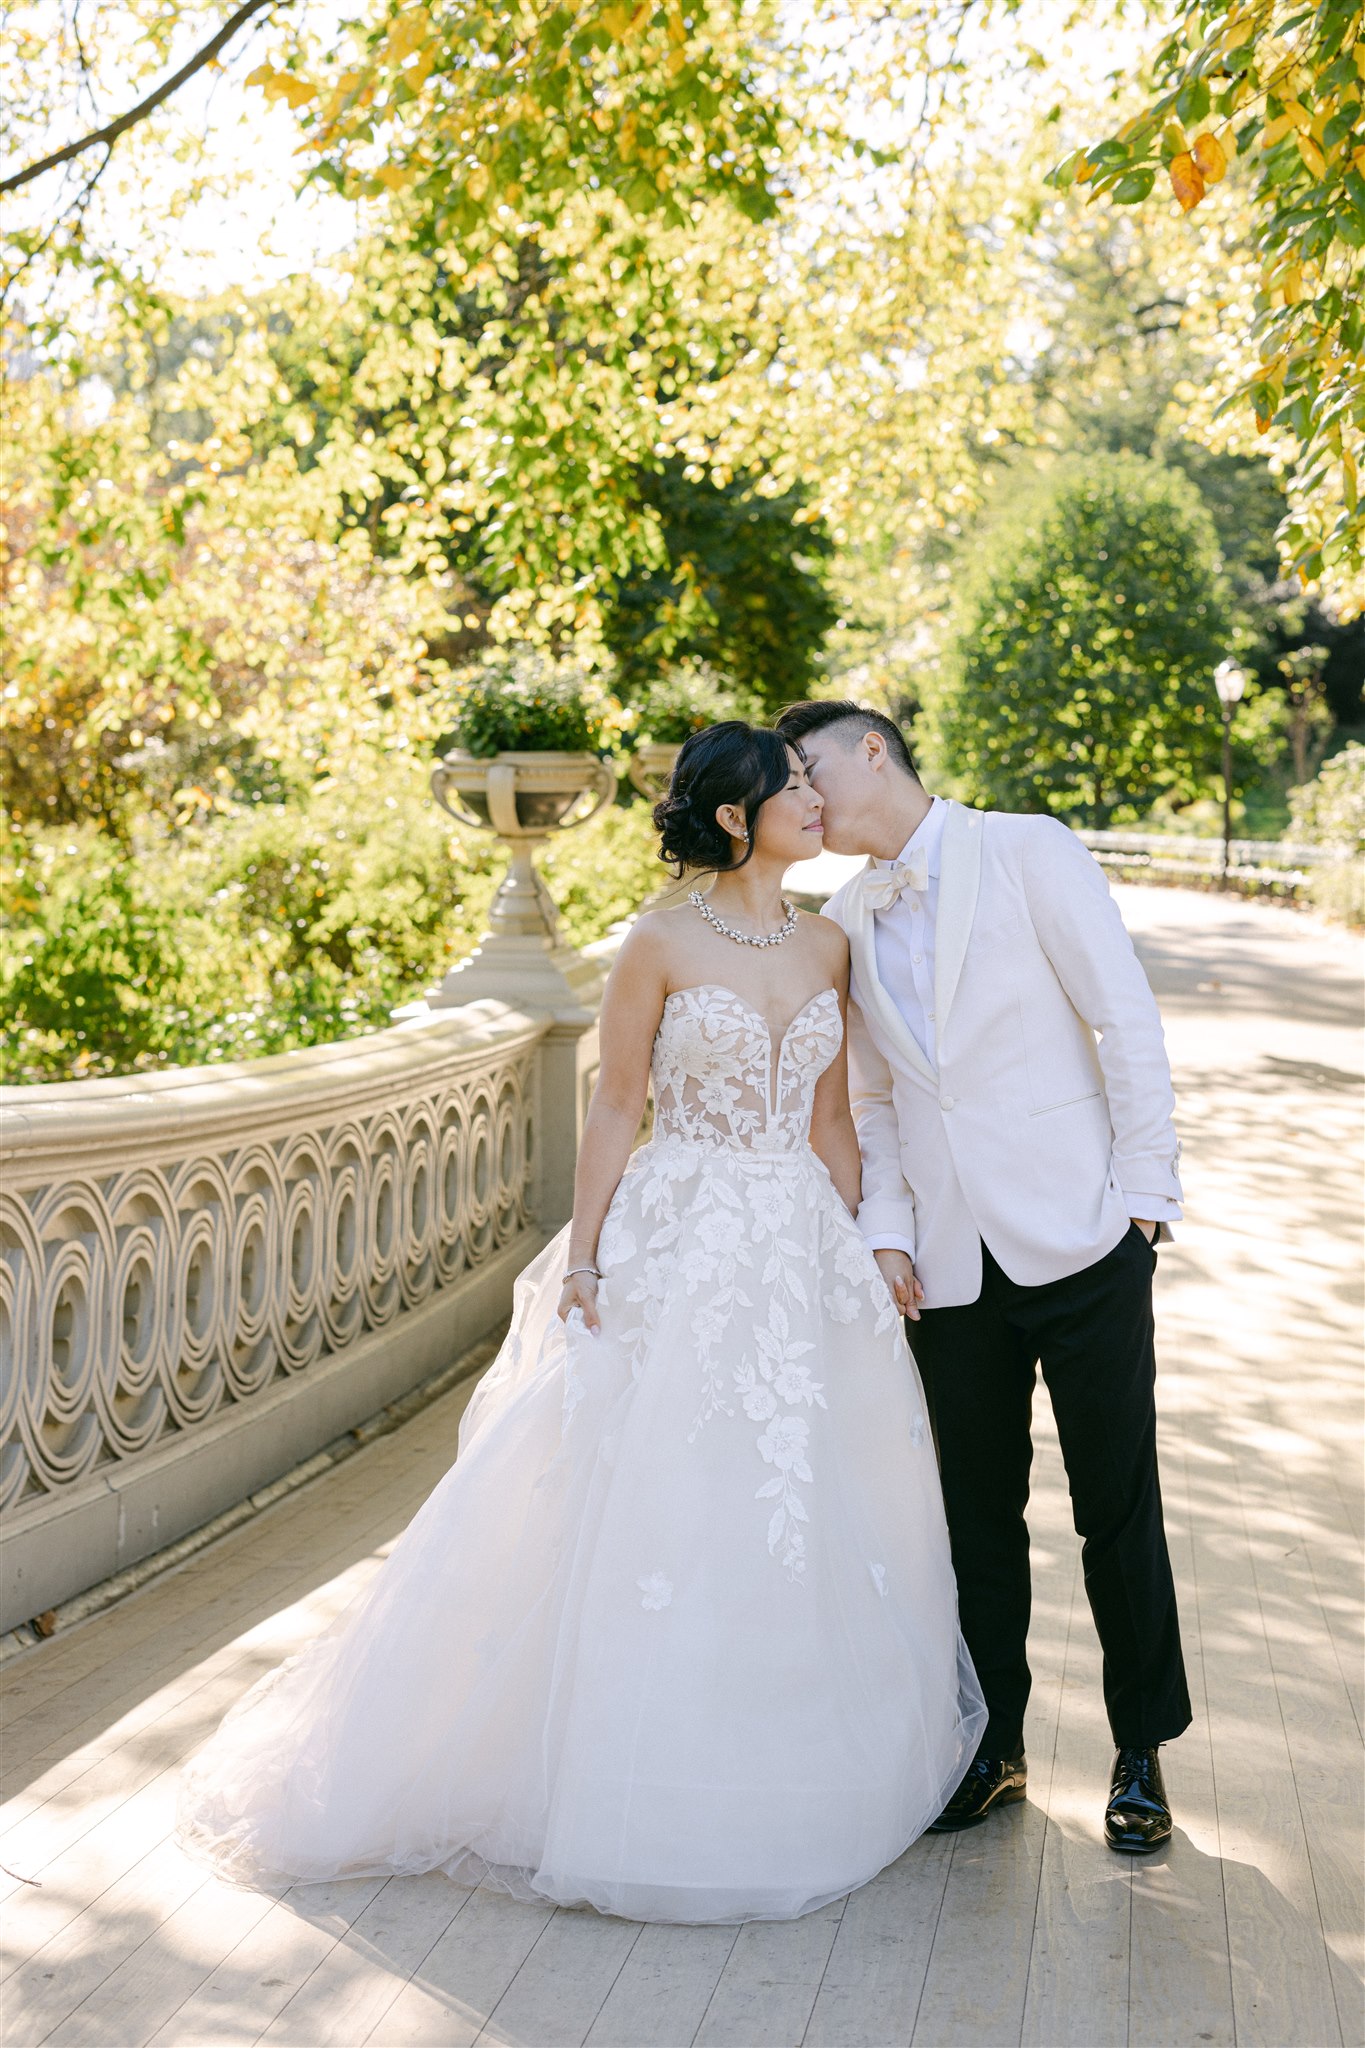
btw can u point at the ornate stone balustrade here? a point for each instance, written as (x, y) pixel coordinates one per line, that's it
(206, 1275)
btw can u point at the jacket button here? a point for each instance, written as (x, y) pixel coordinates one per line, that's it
(945, 1101)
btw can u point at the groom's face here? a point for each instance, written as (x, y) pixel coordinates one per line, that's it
(843, 774)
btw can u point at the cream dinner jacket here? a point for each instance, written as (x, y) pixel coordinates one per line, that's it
(1028, 1133)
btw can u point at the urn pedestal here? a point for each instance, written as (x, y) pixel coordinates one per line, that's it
(523, 958)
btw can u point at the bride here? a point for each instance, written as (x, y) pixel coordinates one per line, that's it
(676, 1637)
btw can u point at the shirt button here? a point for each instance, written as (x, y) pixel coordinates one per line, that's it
(918, 958)
(945, 1101)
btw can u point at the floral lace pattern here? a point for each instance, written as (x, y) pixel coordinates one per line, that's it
(718, 1080)
(750, 1253)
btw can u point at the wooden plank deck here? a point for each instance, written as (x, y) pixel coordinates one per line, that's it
(1248, 1931)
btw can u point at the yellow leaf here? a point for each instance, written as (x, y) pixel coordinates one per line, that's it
(409, 32)
(296, 90)
(1210, 157)
(395, 176)
(476, 184)
(1187, 181)
(1291, 284)
(1358, 158)
(260, 76)
(1312, 155)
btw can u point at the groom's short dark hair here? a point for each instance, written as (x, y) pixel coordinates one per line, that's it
(799, 719)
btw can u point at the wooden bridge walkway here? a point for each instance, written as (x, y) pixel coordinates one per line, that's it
(1248, 1930)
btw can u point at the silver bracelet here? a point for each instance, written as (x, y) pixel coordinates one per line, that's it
(583, 1269)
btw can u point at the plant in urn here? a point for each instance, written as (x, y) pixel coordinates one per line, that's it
(685, 699)
(522, 762)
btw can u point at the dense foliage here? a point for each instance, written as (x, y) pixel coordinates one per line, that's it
(520, 701)
(1330, 811)
(686, 698)
(1280, 87)
(303, 923)
(686, 346)
(1087, 632)
(742, 587)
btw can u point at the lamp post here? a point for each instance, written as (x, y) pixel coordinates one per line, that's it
(1230, 681)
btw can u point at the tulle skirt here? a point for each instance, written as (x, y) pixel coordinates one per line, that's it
(676, 1637)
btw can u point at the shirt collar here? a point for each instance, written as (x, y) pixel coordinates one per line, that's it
(927, 834)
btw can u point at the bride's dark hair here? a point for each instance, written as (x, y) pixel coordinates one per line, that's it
(730, 763)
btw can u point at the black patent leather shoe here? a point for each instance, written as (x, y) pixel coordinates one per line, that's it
(1138, 1817)
(992, 1781)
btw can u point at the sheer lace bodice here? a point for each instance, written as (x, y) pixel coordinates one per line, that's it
(719, 1080)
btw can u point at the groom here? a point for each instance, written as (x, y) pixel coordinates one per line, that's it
(1013, 1101)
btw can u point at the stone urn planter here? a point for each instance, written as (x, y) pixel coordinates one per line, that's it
(652, 764)
(522, 797)
(523, 957)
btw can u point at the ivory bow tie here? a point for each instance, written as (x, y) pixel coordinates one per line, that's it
(884, 886)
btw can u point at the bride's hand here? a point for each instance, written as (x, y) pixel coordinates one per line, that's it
(580, 1292)
(899, 1275)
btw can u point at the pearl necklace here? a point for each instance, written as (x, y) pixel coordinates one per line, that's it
(727, 931)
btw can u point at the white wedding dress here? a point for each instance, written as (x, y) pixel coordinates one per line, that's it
(676, 1637)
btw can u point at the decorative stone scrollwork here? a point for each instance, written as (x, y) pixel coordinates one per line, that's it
(139, 1299)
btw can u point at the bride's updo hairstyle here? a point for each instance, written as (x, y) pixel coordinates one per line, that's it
(729, 763)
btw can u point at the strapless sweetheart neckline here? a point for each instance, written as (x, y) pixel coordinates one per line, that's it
(722, 988)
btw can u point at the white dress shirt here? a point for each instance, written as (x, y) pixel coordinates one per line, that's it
(904, 935)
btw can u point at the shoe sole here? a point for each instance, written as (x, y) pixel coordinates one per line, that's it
(1137, 1848)
(959, 1827)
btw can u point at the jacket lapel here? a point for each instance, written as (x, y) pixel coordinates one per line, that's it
(958, 882)
(875, 1000)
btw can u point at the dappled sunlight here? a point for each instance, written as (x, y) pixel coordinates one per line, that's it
(1027, 1930)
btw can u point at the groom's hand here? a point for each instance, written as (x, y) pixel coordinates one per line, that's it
(899, 1276)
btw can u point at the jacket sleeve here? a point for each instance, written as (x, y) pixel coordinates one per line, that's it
(886, 1213)
(1080, 930)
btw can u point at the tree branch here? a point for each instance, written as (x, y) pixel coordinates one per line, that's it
(107, 136)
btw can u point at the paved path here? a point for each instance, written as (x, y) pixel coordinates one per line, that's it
(1246, 1931)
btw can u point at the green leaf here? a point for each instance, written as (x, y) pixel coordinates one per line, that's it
(1134, 186)
(1192, 101)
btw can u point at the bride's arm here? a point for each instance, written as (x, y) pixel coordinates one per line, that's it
(832, 1134)
(632, 1004)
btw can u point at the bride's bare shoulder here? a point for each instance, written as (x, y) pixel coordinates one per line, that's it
(660, 927)
(653, 936)
(829, 938)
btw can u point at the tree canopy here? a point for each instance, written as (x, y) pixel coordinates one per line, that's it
(1088, 629)
(1269, 94)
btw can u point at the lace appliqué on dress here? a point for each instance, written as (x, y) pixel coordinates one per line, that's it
(724, 1187)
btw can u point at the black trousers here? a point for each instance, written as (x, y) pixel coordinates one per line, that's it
(1092, 1334)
